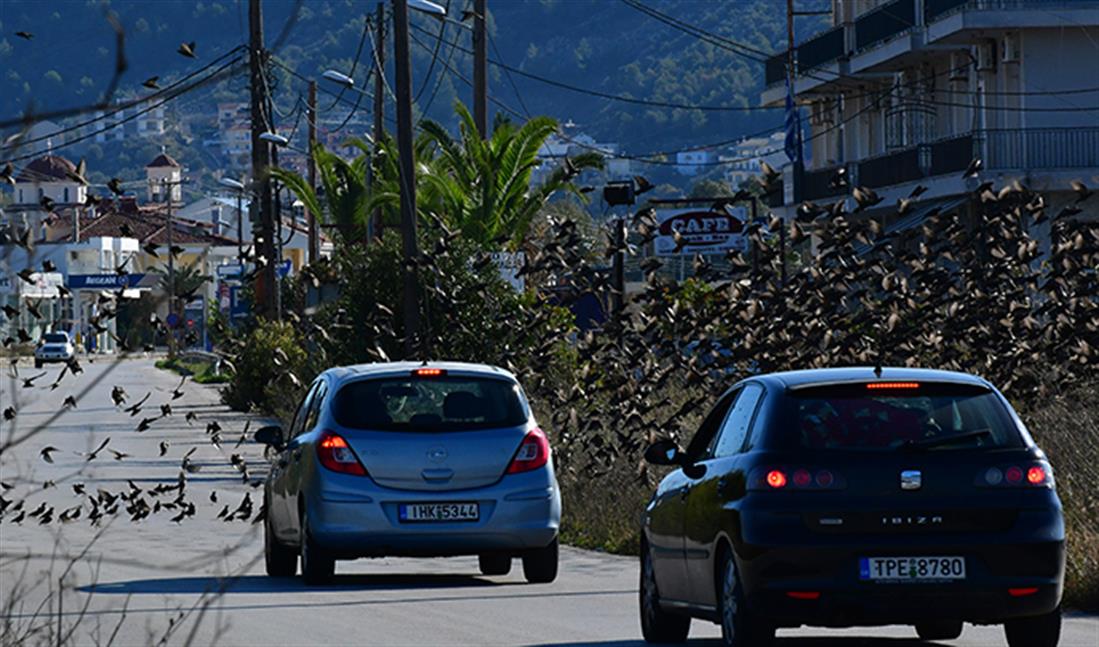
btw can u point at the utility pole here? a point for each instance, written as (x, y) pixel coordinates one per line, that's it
(167, 191)
(263, 231)
(314, 243)
(799, 164)
(403, 77)
(375, 220)
(618, 296)
(480, 68)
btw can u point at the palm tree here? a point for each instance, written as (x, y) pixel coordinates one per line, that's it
(345, 190)
(482, 187)
(478, 187)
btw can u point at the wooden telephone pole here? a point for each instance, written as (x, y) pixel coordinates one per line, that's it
(480, 68)
(314, 241)
(262, 226)
(403, 77)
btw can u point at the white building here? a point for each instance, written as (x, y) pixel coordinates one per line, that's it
(49, 176)
(907, 92)
(109, 127)
(152, 123)
(744, 160)
(164, 176)
(691, 162)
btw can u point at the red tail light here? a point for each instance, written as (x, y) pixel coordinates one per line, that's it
(533, 453)
(776, 479)
(803, 595)
(335, 454)
(892, 385)
(1034, 475)
(794, 478)
(428, 372)
(1023, 591)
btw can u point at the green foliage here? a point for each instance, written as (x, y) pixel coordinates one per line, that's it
(710, 189)
(263, 358)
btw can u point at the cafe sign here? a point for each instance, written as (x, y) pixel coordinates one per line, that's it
(703, 231)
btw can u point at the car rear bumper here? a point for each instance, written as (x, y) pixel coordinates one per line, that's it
(906, 604)
(984, 596)
(52, 357)
(523, 516)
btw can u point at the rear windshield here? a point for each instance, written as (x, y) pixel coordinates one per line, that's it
(56, 338)
(930, 417)
(433, 404)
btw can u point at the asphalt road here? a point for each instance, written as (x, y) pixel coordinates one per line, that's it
(201, 581)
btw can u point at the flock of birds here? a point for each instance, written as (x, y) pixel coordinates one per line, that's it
(169, 496)
(1007, 291)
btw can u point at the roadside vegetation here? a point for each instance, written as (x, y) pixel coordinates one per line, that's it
(967, 292)
(200, 371)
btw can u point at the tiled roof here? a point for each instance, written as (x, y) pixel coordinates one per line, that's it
(161, 160)
(46, 167)
(147, 224)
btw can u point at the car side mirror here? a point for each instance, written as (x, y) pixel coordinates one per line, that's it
(664, 452)
(270, 435)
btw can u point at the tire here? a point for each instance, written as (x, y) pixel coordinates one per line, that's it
(657, 625)
(38, 363)
(540, 564)
(279, 559)
(1034, 631)
(494, 563)
(739, 628)
(317, 565)
(939, 629)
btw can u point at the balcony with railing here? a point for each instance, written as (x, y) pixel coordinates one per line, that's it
(1042, 149)
(884, 23)
(1031, 151)
(927, 22)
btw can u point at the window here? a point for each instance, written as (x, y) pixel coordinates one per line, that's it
(437, 404)
(734, 429)
(700, 444)
(314, 408)
(66, 198)
(851, 419)
(303, 409)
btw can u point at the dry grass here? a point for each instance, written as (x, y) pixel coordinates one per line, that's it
(602, 510)
(1067, 428)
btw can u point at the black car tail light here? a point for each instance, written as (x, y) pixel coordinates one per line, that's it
(781, 477)
(1026, 475)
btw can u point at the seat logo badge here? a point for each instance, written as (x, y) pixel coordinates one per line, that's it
(437, 455)
(911, 480)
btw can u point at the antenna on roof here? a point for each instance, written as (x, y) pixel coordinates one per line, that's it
(877, 368)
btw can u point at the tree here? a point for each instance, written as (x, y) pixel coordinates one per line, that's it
(480, 188)
(710, 189)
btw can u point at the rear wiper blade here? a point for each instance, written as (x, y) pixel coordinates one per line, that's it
(927, 443)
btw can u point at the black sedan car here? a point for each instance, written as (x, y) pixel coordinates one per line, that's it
(854, 496)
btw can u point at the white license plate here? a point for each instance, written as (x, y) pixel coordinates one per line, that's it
(911, 569)
(413, 512)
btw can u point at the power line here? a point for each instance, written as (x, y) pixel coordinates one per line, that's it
(216, 75)
(119, 107)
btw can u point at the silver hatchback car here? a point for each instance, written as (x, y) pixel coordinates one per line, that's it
(411, 459)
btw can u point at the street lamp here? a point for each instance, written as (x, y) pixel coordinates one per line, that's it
(339, 77)
(275, 138)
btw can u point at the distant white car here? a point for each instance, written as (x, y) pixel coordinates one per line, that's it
(54, 347)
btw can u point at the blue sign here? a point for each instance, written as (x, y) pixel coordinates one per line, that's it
(283, 268)
(107, 281)
(238, 305)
